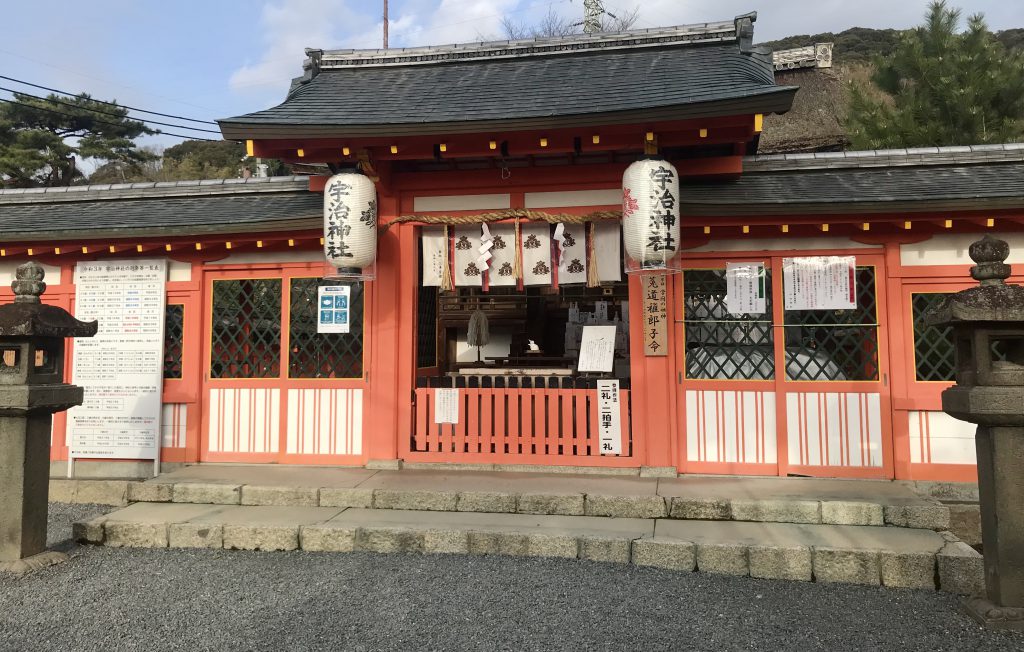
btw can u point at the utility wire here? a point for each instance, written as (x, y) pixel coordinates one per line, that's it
(116, 115)
(106, 122)
(132, 108)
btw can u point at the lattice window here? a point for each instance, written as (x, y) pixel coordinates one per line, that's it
(426, 335)
(835, 344)
(720, 345)
(323, 355)
(246, 329)
(174, 340)
(934, 353)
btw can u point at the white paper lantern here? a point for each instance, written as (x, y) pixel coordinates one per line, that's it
(350, 221)
(650, 213)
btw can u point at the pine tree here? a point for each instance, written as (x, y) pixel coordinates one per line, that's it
(941, 87)
(42, 139)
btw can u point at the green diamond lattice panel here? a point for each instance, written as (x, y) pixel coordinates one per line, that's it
(323, 355)
(835, 345)
(174, 339)
(246, 329)
(721, 346)
(934, 354)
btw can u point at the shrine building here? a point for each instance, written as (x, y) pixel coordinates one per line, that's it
(476, 287)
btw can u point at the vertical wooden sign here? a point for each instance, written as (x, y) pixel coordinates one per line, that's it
(655, 316)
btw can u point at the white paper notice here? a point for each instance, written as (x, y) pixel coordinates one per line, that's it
(435, 248)
(609, 417)
(597, 348)
(745, 288)
(820, 283)
(121, 368)
(333, 315)
(446, 406)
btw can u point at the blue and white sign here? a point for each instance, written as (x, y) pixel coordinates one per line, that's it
(333, 309)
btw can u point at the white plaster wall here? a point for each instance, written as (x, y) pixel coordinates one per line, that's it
(951, 249)
(178, 271)
(783, 242)
(462, 203)
(7, 272)
(256, 258)
(570, 198)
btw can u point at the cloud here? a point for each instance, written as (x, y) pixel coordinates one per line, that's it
(451, 21)
(290, 26)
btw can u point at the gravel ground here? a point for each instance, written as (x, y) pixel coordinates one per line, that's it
(120, 599)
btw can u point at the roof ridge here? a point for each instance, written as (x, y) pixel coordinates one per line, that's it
(139, 190)
(711, 32)
(946, 155)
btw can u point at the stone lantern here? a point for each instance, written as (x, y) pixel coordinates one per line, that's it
(32, 388)
(988, 329)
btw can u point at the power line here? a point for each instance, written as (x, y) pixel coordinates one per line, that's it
(124, 106)
(101, 79)
(105, 122)
(116, 115)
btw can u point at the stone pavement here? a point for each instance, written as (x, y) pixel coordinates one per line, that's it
(793, 500)
(859, 554)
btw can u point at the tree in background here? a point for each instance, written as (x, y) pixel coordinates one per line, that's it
(191, 159)
(41, 139)
(941, 87)
(552, 24)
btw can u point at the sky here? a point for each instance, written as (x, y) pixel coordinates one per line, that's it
(221, 58)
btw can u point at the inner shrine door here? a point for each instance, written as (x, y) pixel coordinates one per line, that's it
(824, 411)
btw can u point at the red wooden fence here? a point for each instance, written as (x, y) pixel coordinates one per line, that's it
(521, 424)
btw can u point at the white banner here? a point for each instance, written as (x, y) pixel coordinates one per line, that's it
(434, 250)
(121, 368)
(609, 413)
(820, 283)
(608, 250)
(333, 313)
(745, 288)
(536, 245)
(502, 272)
(467, 252)
(572, 265)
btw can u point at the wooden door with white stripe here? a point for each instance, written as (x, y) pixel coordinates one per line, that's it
(778, 391)
(276, 389)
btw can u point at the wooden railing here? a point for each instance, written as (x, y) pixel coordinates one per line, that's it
(517, 424)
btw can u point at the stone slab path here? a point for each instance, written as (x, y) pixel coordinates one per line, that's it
(872, 555)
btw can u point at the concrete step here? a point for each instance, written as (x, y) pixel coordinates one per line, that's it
(781, 500)
(895, 557)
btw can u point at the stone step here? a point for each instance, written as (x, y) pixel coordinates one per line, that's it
(771, 500)
(895, 557)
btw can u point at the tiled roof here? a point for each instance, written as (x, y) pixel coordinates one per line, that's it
(665, 74)
(176, 208)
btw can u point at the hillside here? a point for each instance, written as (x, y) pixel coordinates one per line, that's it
(861, 44)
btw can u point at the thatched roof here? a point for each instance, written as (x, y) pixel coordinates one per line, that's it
(815, 123)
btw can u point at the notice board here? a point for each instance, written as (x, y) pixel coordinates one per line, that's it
(121, 368)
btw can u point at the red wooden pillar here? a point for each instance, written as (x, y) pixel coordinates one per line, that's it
(384, 403)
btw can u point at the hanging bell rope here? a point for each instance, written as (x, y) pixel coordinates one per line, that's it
(447, 283)
(514, 213)
(517, 255)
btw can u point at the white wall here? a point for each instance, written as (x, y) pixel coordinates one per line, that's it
(951, 249)
(500, 345)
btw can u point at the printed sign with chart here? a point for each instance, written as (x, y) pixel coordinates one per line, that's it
(609, 413)
(333, 313)
(820, 283)
(121, 368)
(745, 289)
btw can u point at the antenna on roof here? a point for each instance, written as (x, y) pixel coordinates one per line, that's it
(592, 12)
(385, 24)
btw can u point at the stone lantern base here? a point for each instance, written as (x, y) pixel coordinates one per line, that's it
(33, 563)
(991, 615)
